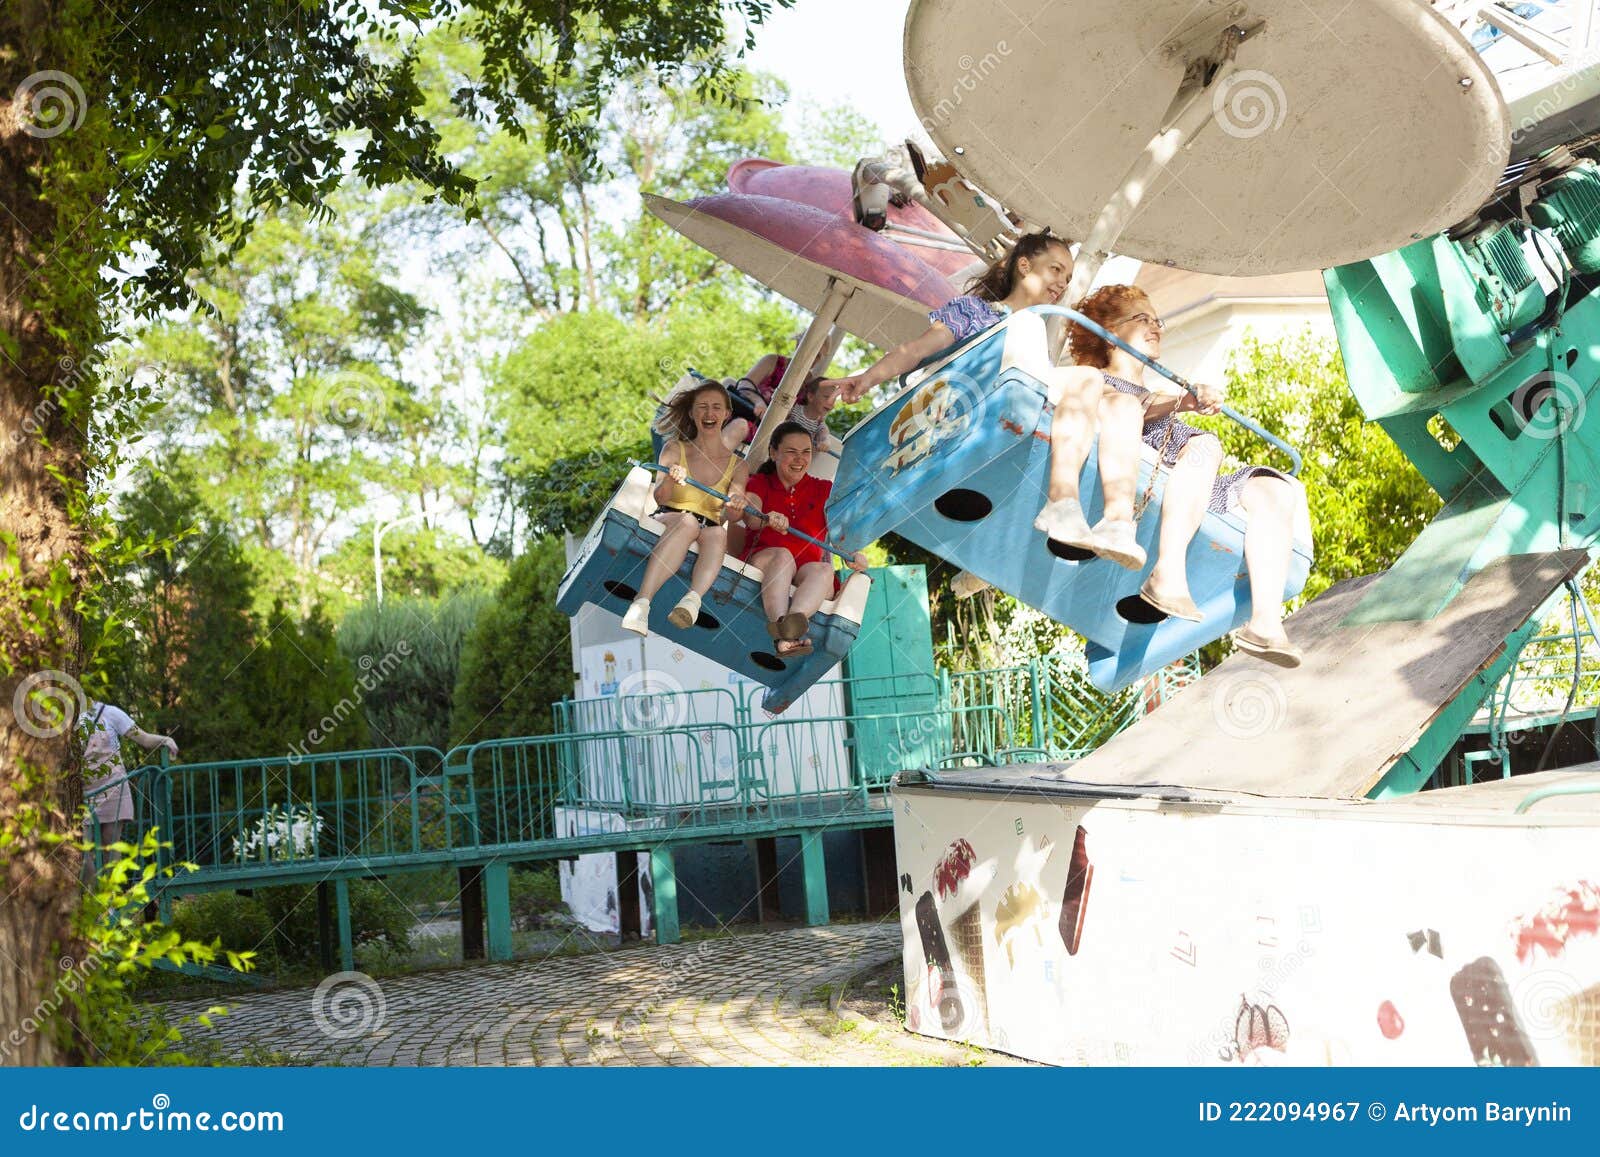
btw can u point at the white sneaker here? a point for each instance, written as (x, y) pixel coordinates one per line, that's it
(1115, 541)
(686, 612)
(1064, 522)
(637, 618)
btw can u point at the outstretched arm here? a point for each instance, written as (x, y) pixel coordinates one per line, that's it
(897, 361)
(149, 742)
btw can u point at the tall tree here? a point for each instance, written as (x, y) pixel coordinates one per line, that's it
(292, 389)
(129, 129)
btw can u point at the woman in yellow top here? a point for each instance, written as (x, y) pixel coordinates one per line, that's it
(696, 450)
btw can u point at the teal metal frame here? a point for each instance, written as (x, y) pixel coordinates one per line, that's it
(498, 802)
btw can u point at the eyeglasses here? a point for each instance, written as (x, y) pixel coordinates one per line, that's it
(1145, 319)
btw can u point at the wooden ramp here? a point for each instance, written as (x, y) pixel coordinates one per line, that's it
(1332, 727)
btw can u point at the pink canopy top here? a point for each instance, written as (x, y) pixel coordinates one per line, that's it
(793, 246)
(830, 189)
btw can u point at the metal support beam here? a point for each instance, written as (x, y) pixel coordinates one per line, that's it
(470, 885)
(664, 876)
(816, 875)
(347, 944)
(497, 901)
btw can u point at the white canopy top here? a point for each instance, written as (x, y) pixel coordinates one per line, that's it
(1345, 131)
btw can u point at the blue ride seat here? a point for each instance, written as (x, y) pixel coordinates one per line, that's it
(732, 628)
(958, 463)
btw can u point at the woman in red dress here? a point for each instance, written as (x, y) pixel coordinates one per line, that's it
(796, 576)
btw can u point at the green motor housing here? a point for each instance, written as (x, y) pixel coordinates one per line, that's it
(1569, 206)
(1507, 288)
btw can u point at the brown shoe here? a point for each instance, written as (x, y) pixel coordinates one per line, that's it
(789, 627)
(1282, 654)
(1183, 608)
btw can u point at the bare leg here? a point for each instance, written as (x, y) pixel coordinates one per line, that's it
(713, 547)
(669, 553)
(1268, 539)
(812, 588)
(1121, 422)
(777, 573)
(1072, 432)
(1183, 506)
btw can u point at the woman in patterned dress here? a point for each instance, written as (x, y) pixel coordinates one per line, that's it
(1036, 272)
(1269, 500)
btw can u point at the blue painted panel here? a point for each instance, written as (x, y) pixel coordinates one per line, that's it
(733, 625)
(965, 479)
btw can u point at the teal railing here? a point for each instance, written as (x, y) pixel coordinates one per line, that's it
(703, 763)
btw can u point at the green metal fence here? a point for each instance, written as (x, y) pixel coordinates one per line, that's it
(617, 773)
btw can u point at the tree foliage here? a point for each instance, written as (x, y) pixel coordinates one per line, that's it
(518, 659)
(1368, 503)
(410, 704)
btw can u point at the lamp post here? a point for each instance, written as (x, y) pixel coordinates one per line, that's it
(378, 531)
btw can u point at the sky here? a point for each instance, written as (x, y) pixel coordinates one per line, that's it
(841, 52)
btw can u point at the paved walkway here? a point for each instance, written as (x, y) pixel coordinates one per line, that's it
(754, 999)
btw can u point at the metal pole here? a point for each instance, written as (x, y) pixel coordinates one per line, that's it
(1189, 114)
(378, 531)
(828, 312)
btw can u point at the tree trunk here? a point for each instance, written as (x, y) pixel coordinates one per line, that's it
(41, 567)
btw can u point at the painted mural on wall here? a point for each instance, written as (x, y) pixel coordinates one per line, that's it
(1125, 933)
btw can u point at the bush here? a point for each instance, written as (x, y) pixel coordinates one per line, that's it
(535, 893)
(240, 923)
(411, 655)
(518, 658)
(378, 919)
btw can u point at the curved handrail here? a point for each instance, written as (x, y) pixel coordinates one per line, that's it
(1540, 794)
(1228, 411)
(721, 497)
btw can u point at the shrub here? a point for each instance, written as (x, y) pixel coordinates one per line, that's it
(239, 923)
(378, 919)
(535, 892)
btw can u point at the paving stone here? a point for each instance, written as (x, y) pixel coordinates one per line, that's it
(729, 1000)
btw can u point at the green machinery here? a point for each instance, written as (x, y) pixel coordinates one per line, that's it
(1478, 351)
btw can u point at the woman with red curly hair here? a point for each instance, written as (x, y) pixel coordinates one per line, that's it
(1268, 499)
(1036, 272)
